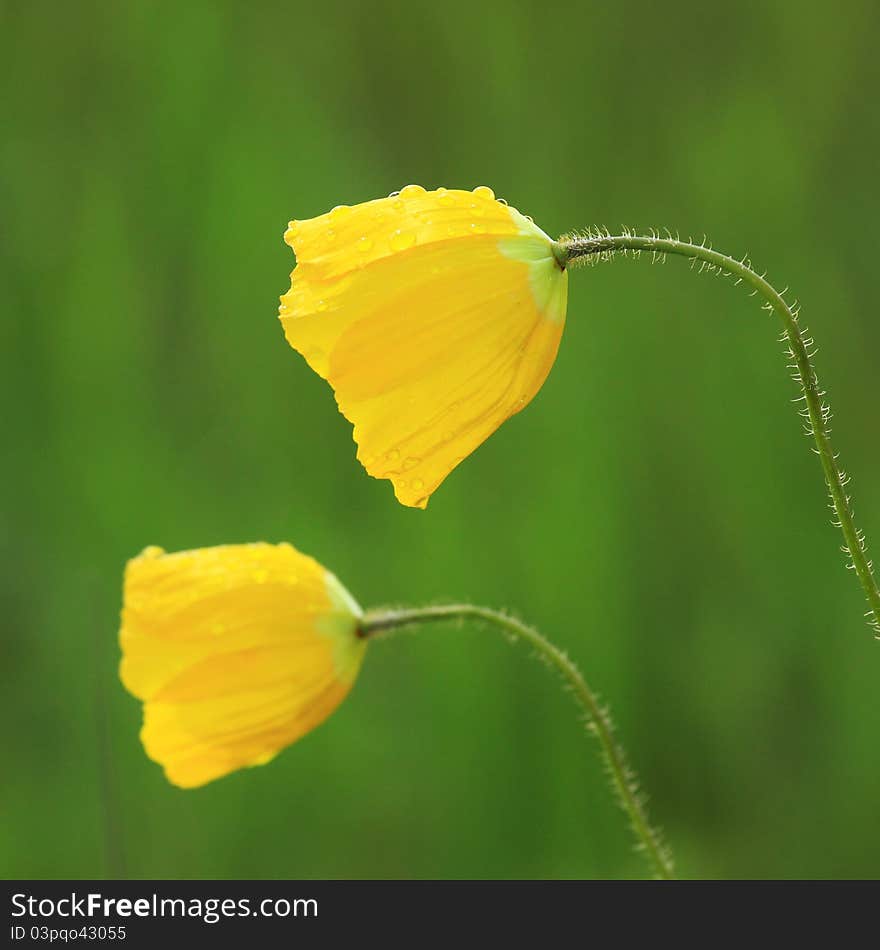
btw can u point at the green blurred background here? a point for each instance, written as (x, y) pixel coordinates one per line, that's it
(656, 510)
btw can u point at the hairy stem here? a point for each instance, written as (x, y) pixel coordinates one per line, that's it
(815, 412)
(623, 780)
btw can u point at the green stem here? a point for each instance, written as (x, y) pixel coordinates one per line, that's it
(816, 412)
(623, 780)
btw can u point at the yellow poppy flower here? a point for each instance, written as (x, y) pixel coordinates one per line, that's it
(434, 315)
(236, 652)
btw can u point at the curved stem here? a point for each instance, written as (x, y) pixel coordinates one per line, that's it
(623, 780)
(816, 412)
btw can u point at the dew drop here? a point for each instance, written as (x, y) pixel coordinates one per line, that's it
(475, 227)
(330, 234)
(481, 191)
(394, 194)
(502, 201)
(340, 212)
(364, 244)
(401, 240)
(153, 551)
(393, 455)
(412, 191)
(321, 306)
(417, 484)
(410, 462)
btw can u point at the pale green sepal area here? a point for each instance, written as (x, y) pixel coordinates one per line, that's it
(340, 626)
(549, 282)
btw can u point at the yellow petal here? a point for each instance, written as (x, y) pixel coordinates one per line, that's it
(236, 651)
(434, 316)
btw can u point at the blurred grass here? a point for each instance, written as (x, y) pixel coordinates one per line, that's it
(655, 511)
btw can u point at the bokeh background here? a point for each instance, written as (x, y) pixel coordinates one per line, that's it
(656, 510)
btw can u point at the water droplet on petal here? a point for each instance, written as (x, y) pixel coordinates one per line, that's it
(393, 455)
(401, 240)
(330, 234)
(417, 484)
(321, 306)
(410, 462)
(412, 191)
(501, 201)
(394, 194)
(481, 191)
(152, 551)
(364, 244)
(475, 227)
(340, 212)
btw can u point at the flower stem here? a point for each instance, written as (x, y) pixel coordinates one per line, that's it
(623, 780)
(816, 412)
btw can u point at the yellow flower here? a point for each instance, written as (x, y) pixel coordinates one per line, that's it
(236, 651)
(434, 315)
